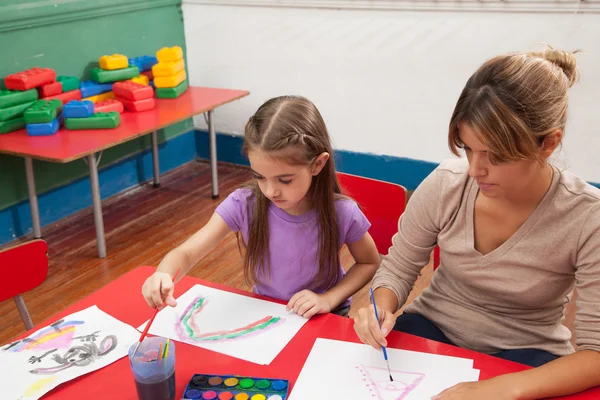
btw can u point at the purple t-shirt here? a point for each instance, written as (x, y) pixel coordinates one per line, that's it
(293, 241)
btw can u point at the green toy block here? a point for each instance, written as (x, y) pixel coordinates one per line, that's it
(103, 75)
(68, 83)
(42, 111)
(172, 93)
(14, 111)
(12, 125)
(97, 121)
(13, 97)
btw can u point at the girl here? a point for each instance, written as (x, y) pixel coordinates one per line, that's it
(292, 219)
(516, 235)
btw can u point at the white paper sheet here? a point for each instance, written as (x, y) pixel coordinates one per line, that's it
(71, 347)
(343, 370)
(239, 326)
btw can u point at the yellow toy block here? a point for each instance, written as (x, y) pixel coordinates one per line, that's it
(142, 79)
(101, 97)
(116, 61)
(170, 81)
(169, 54)
(168, 68)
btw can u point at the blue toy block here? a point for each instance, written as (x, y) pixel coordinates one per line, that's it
(78, 109)
(90, 88)
(144, 63)
(45, 129)
(151, 83)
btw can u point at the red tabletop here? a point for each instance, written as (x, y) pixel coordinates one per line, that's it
(122, 299)
(67, 145)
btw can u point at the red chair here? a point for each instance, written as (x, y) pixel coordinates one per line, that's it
(382, 203)
(25, 267)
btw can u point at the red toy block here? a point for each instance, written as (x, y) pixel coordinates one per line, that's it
(139, 105)
(50, 89)
(108, 106)
(132, 91)
(148, 73)
(30, 78)
(66, 96)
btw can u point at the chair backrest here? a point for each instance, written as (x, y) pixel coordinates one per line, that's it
(381, 202)
(24, 267)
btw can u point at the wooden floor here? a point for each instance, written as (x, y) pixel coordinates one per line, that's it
(141, 226)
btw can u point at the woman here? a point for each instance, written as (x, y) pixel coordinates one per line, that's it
(516, 235)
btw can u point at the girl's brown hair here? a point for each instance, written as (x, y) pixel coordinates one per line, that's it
(513, 101)
(291, 128)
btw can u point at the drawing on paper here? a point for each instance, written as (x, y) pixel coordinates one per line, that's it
(187, 328)
(55, 336)
(78, 356)
(39, 385)
(377, 381)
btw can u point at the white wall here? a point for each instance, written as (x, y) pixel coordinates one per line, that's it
(385, 81)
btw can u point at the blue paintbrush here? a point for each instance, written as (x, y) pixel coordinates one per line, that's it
(379, 322)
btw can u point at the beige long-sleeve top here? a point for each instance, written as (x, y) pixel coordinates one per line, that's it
(515, 296)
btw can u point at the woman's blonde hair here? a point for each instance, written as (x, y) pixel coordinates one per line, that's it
(513, 101)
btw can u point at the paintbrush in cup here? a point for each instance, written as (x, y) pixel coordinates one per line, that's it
(150, 322)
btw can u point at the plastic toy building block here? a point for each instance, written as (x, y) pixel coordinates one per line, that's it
(132, 91)
(78, 109)
(12, 98)
(12, 125)
(144, 63)
(112, 62)
(103, 76)
(168, 68)
(42, 111)
(170, 81)
(14, 111)
(140, 105)
(169, 54)
(68, 83)
(50, 89)
(108, 106)
(67, 96)
(101, 97)
(172, 93)
(147, 74)
(30, 78)
(152, 85)
(90, 88)
(97, 121)
(45, 129)
(142, 79)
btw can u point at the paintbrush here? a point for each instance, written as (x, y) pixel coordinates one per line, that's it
(379, 322)
(150, 323)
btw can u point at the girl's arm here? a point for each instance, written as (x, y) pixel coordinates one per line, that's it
(158, 288)
(367, 261)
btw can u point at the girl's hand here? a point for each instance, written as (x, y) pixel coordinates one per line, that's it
(367, 326)
(306, 304)
(158, 290)
(499, 388)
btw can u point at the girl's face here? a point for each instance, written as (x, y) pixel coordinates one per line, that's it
(286, 185)
(505, 180)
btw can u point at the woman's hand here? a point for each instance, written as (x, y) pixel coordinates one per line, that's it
(367, 326)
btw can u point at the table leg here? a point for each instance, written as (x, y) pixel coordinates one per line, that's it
(155, 159)
(33, 203)
(97, 205)
(213, 155)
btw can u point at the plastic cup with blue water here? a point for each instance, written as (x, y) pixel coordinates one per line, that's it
(153, 368)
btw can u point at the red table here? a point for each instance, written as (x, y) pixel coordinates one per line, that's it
(67, 146)
(122, 299)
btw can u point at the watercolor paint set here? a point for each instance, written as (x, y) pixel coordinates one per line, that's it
(235, 387)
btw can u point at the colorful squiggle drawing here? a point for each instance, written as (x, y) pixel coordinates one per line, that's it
(39, 385)
(381, 387)
(56, 336)
(187, 329)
